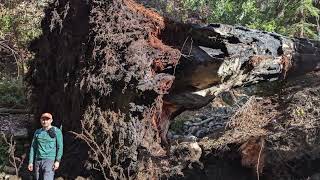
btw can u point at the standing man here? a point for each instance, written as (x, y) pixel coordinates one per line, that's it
(46, 149)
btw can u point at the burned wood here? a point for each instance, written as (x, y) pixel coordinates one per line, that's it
(120, 72)
(219, 57)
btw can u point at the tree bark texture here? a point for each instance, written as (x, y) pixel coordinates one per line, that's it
(113, 74)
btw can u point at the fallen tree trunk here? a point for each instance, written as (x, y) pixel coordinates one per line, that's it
(105, 70)
(218, 57)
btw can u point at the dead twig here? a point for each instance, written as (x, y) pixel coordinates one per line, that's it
(87, 137)
(13, 160)
(259, 156)
(13, 53)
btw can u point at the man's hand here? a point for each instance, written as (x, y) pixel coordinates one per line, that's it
(56, 165)
(30, 167)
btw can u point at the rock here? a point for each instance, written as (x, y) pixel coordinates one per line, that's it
(170, 134)
(197, 151)
(203, 117)
(196, 119)
(187, 151)
(21, 133)
(191, 138)
(228, 98)
(193, 129)
(80, 178)
(187, 123)
(186, 128)
(14, 177)
(2, 175)
(211, 124)
(176, 136)
(201, 133)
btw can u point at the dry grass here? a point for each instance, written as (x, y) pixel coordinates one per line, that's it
(247, 128)
(253, 116)
(277, 133)
(249, 121)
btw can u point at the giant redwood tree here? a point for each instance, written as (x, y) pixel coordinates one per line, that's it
(115, 73)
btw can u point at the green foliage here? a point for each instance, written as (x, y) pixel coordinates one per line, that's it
(234, 12)
(304, 14)
(299, 18)
(20, 21)
(6, 22)
(12, 93)
(299, 112)
(177, 125)
(19, 25)
(192, 4)
(3, 153)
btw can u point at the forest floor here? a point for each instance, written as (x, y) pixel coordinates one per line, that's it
(276, 132)
(15, 122)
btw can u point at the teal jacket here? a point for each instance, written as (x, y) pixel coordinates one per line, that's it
(45, 147)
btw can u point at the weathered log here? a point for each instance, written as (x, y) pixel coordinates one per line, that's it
(241, 55)
(218, 57)
(105, 70)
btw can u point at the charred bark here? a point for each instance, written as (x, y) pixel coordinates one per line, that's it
(105, 70)
(218, 57)
(96, 71)
(218, 53)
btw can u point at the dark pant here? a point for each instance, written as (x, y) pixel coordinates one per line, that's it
(44, 169)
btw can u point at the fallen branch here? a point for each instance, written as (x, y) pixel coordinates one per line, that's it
(14, 111)
(208, 120)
